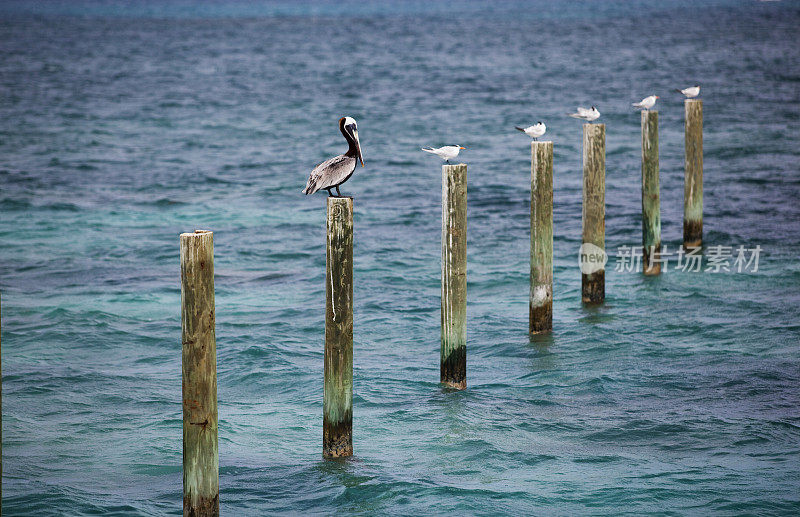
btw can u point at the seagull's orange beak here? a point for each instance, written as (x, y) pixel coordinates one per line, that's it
(461, 147)
(657, 97)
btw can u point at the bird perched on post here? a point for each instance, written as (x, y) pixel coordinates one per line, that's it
(586, 114)
(690, 92)
(646, 103)
(535, 131)
(332, 173)
(446, 153)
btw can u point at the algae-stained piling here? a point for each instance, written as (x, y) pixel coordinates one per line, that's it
(651, 204)
(593, 284)
(200, 445)
(1, 409)
(693, 175)
(541, 294)
(453, 367)
(337, 405)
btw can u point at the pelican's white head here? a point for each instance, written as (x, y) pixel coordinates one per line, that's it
(349, 128)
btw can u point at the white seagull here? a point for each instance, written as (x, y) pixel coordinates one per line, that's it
(535, 131)
(586, 114)
(446, 153)
(332, 173)
(690, 92)
(646, 103)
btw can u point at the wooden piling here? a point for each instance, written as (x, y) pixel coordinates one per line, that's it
(337, 405)
(200, 441)
(593, 285)
(541, 295)
(651, 204)
(1, 408)
(693, 177)
(453, 366)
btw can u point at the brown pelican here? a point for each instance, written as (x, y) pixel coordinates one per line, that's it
(446, 153)
(332, 173)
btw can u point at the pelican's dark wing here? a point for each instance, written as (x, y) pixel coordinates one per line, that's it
(330, 173)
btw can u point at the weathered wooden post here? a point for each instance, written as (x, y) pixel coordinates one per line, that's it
(593, 284)
(541, 295)
(337, 400)
(693, 185)
(1, 409)
(651, 204)
(200, 453)
(453, 366)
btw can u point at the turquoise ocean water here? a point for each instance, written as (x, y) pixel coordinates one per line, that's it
(123, 124)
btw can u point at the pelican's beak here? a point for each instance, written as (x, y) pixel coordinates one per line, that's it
(461, 147)
(358, 146)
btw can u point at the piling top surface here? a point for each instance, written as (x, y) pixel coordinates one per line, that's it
(344, 200)
(454, 165)
(196, 233)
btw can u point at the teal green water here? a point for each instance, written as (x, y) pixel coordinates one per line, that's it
(123, 125)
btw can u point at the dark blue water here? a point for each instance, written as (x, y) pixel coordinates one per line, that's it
(122, 125)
